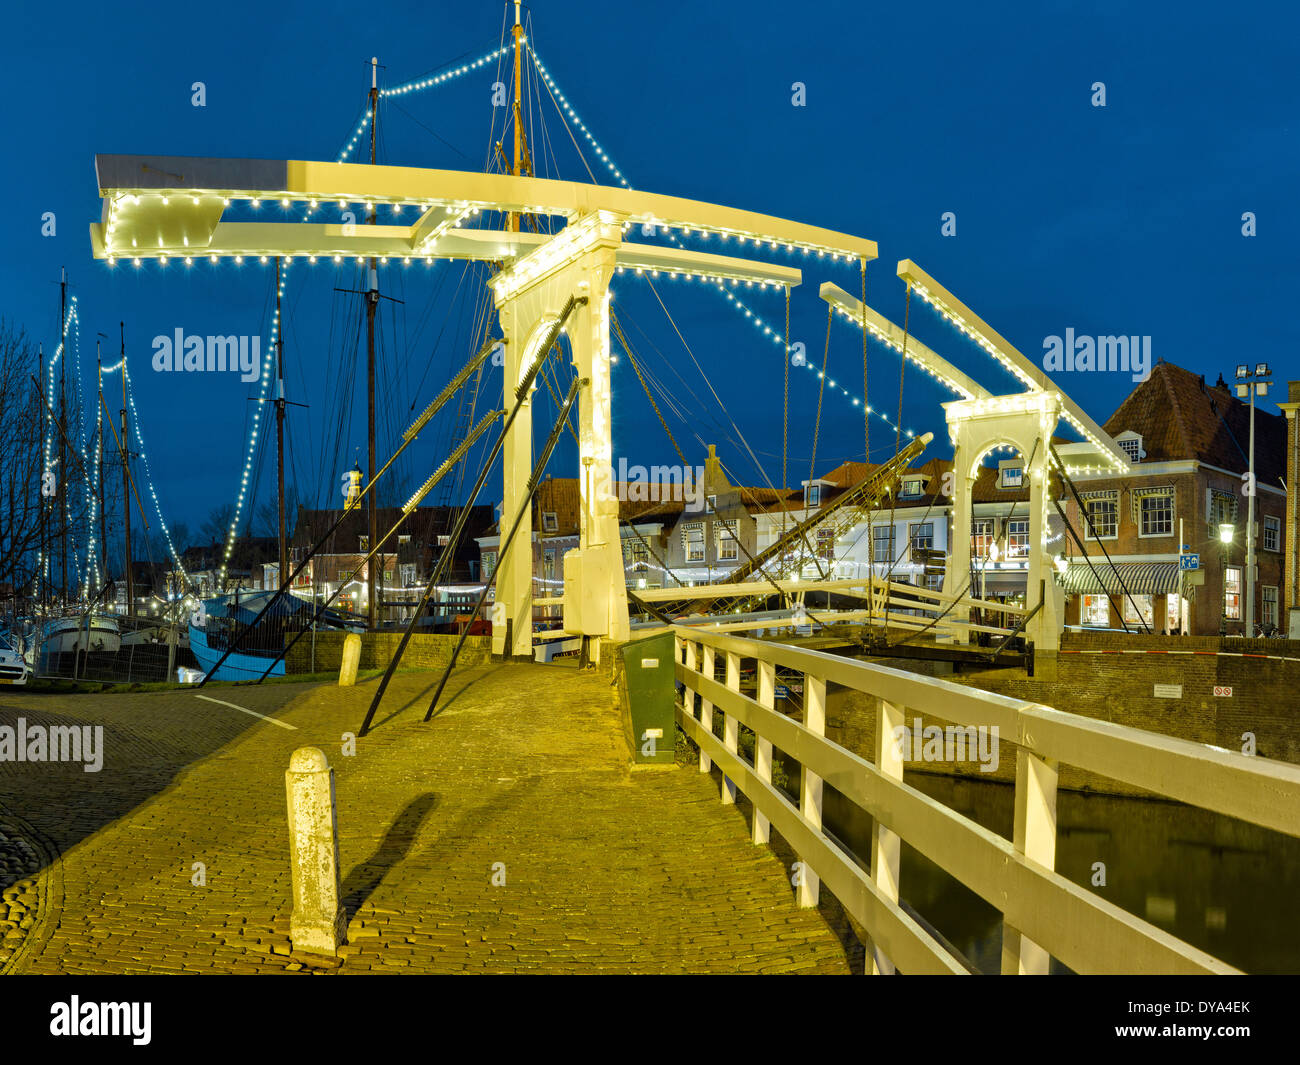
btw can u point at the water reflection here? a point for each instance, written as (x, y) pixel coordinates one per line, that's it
(1221, 885)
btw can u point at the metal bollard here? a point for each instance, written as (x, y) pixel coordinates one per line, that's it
(351, 659)
(318, 924)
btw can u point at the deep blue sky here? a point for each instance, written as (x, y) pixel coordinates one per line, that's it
(1124, 219)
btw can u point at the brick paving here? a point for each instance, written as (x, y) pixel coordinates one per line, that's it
(606, 869)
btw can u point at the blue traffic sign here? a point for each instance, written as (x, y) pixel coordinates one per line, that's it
(1192, 561)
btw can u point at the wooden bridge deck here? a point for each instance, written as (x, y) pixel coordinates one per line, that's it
(605, 869)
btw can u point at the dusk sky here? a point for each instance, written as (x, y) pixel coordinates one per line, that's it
(1122, 219)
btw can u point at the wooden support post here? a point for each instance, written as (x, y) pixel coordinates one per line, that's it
(762, 747)
(731, 728)
(351, 660)
(810, 784)
(1035, 837)
(885, 844)
(706, 710)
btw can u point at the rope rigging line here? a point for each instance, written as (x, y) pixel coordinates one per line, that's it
(785, 409)
(866, 398)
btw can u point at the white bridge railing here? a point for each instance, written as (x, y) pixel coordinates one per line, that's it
(1044, 914)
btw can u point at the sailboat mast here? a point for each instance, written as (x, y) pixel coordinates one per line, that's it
(517, 31)
(40, 488)
(372, 302)
(62, 483)
(279, 422)
(99, 459)
(126, 485)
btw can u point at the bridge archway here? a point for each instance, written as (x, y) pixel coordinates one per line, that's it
(1024, 421)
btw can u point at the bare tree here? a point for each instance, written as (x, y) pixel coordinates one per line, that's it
(20, 460)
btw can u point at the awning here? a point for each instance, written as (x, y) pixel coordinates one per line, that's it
(1104, 578)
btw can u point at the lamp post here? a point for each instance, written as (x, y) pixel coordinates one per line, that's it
(1226, 531)
(1252, 383)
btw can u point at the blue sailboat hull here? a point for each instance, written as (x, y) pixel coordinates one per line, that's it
(238, 666)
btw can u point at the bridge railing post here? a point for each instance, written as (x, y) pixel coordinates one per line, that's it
(1035, 837)
(731, 727)
(706, 709)
(762, 747)
(686, 654)
(885, 843)
(810, 784)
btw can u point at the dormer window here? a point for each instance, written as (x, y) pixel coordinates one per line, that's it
(911, 488)
(1011, 475)
(812, 495)
(1131, 444)
(550, 521)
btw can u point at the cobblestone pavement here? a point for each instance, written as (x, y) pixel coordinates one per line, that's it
(174, 857)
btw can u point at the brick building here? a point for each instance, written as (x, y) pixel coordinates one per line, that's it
(1187, 442)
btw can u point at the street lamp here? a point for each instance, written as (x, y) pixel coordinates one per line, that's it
(1251, 382)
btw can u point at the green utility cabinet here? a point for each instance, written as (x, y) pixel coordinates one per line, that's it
(649, 714)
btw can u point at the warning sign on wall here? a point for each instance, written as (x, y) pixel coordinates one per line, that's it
(1222, 690)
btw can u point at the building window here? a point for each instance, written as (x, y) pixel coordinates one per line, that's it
(402, 541)
(1272, 533)
(693, 541)
(640, 553)
(548, 564)
(911, 488)
(1132, 447)
(725, 531)
(1103, 516)
(826, 544)
(933, 581)
(981, 537)
(1232, 593)
(1138, 609)
(1018, 538)
(1011, 476)
(550, 521)
(921, 535)
(1268, 605)
(489, 564)
(1220, 507)
(1156, 512)
(365, 543)
(1095, 612)
(882, 543)
(812, 495)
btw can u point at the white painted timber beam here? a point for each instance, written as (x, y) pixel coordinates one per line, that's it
(1006, 353)
(854, 311)
(151, 197)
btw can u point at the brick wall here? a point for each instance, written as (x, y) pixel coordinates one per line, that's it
(425, 651)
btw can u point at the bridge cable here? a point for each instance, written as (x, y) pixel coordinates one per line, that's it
(866, 410)
(525, 507)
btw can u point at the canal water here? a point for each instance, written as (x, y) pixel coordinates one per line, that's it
(1226, 887)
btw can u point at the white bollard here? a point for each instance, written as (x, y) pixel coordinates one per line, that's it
(351, 659)
(318, 924)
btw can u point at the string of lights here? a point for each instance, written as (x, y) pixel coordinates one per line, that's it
(263, 388)
(766, 330)
(148, 475)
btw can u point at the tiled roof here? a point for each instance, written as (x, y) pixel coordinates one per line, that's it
(1181, 416)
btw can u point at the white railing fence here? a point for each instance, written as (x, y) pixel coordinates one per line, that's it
(1044, 914)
